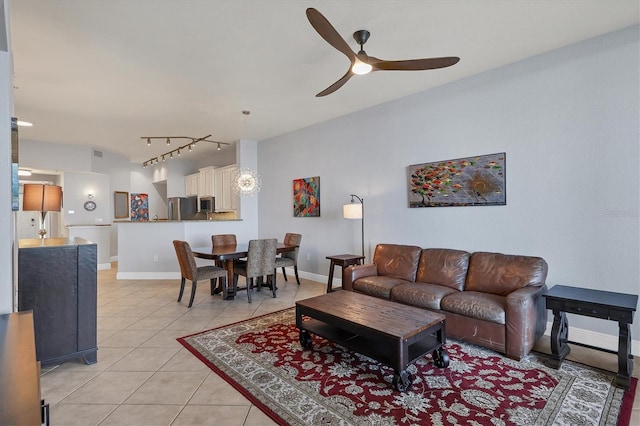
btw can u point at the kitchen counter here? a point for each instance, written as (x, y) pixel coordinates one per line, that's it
(145, 249)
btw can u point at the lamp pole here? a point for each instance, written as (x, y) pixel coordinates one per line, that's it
(362, 207)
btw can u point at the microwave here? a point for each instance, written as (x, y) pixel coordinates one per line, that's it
(207, 204)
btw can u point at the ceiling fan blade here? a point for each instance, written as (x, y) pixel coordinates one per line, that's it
(327, 32)
(335, 86)
(415, 64)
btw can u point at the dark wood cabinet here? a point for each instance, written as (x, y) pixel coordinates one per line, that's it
(57, 279)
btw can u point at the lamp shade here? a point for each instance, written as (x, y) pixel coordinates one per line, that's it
(352, 211)
(42, 198)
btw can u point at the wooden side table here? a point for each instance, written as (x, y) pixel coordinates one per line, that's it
(597, 304)
(342, 260)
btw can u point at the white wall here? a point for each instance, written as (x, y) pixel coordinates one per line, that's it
(569, 123)
(77, 187)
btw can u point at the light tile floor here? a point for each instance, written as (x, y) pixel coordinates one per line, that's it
(145, 377)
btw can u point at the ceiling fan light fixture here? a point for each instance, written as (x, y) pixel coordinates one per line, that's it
(361, 68)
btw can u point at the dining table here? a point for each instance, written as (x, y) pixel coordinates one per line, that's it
(227, 254)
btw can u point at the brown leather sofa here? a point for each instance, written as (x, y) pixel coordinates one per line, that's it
(490, 299)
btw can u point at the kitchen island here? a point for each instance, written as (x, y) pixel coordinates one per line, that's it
(145, 249)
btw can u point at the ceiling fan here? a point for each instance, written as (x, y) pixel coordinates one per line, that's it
(361, 63)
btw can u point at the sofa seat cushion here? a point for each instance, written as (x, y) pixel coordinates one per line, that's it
(473, 304)
(421, 295)
(444, 267)
(377, 285)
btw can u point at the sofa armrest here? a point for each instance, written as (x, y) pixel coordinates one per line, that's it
(525, 320)
(353, 272)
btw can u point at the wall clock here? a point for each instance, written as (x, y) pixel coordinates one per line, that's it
(89, 206)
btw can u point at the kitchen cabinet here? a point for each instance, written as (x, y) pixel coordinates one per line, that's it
(191, 184)
(226, 197)
(206, 182)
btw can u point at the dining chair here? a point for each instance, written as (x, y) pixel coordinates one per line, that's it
(223, 240)
(290, 258)
(261, 261)
(218, 240)
(189, 270)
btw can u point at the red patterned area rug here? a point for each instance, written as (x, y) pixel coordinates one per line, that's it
(329, 385)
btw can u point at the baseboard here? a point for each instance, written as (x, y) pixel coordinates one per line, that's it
(313, 277)
(102, 266)
(598, 340)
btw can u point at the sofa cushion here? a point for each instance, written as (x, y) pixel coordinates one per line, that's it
(376, 285)
(444, 267)
(397, 261)
(501, 274)
(421, 295)
(473, 304)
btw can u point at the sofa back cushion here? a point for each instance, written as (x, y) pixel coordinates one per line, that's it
(502, 274)
(444, 267)
(397, 261)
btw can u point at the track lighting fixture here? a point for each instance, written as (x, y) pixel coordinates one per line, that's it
(169, 154)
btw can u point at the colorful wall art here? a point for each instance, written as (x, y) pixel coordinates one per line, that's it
(139, 207)
(306, 197)
(471, 181)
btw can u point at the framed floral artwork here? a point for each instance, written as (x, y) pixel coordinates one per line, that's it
(139, 207)
(471, 181)
(306, 197)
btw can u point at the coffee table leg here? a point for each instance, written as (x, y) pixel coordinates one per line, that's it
(306, 340)
(559, 336)
(402, 380)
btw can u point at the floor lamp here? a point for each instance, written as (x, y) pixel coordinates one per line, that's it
(42, 198)
(354, 210)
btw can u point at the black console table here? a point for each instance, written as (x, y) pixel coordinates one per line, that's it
(597, 304)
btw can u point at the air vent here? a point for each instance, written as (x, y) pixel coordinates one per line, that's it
(97, 153)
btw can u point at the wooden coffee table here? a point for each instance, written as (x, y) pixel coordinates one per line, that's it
(389, 332)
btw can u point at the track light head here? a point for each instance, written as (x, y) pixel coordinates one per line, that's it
(168, 141)
(219, 147)
(148, 141)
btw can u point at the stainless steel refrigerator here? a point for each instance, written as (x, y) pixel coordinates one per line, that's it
(182, 208)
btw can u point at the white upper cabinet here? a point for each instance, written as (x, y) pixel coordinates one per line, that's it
(206, 181)
(191, 184)
(226, 198)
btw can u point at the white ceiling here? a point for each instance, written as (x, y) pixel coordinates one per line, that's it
(104, 73)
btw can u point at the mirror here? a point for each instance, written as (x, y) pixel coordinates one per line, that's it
(121, 205)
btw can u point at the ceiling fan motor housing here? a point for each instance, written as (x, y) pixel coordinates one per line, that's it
(361, 37)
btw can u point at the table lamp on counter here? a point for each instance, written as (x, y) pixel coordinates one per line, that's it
(42, 198)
